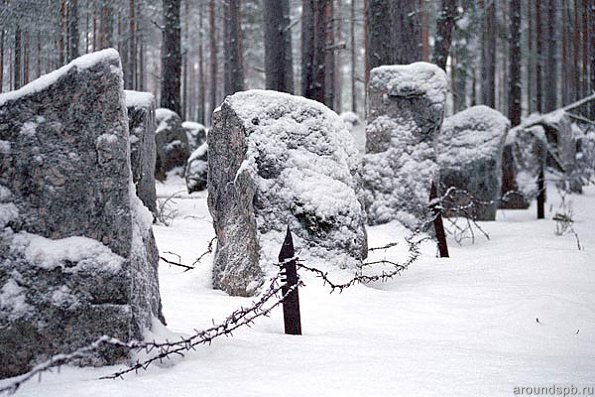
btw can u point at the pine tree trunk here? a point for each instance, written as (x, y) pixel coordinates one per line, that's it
(277, 43)
(63, 29)
(1, 59)
(73, 30)
(353, 59)
(394, 33)
(514, 89)
(233, 50)
(201, 73)
(488, 55)
(585, 38)
(213, 57)
(538, 57)
(338, 61)
(185, 71)
(17, 68)
(444, 26)
(171, 57)
(551, 97)
(132, 50)
(26, 52)
(576, 50)
(314, 49)
(529, 58)
(425, 31)
(107, 28)
(329, 55)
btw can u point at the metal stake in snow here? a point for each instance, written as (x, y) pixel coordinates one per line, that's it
(541, 195)
(291, 303)
(438, 225)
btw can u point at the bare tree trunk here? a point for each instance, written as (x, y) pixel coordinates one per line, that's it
(488, 54)
(394, 33)
(425, 31)
(444, 26)
(201, 73)
(277, 43)
(26, 52)
(314, 49)
(185, 71)
(353, 59)
(585, 35)
(539, 57)
(95, 22)
(551, 97)
(514, 88)
(234, 68)
(73, 30)
(213, 57)
(17, 69)
(529, 59)
(171, 57)
(38, 60)
(329, 55)
(565, 68)
(1, 58)
(576, 49)
(338, 61)
(107, 28)
(63, 28)
(132, 50)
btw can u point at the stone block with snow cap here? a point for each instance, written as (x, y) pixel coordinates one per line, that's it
(278, 160)
(196, 133)
(470, 147)
(405, 111)
(524, 156)
(171, 140)
(141, 125)
(77, 255)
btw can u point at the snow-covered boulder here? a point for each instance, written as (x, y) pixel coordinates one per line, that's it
(357, 129)
(141, 124)
(562, 149)
(406, 108)
(196, 134)
(172, 143)
(77, 255)
(470, 147)
(524, 157)
(196, 169)
(278, 160)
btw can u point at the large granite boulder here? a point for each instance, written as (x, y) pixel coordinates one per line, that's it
(196, 169)
(562, 149)
(141, 124)
(277, 160)
(196, 134)
(77, 255)
(172, 144)
(523, 159)
(405, 111)
(470, 148)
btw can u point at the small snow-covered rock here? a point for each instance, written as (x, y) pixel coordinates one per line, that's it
(172, 143)
(196, 169)
(470, 147)
(357, 129)
(77, 256)
(524, 157)
(141, 124)
(278, 160)
(406, 108)
(196, 133)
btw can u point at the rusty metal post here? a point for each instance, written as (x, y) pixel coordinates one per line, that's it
(438, 225)
(541, 195)
(291, 303)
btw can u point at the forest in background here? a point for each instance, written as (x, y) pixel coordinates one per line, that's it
(517, 56)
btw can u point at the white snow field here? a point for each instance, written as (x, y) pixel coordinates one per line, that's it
(517, 310)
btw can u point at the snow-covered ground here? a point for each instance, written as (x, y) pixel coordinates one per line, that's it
(517, 310)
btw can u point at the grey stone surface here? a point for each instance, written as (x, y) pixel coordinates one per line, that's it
(470, 147)
(523, 158)
(171, 142)
(77, 255)
(141, 124)
(405, 111)
(562, 149)
(196, 133)
(196, 169)
(277, 160)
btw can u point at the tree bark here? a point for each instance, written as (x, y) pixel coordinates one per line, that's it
(201, 73)
(488, 54)
(1, 58)
(514, 78)
(106, 22)
(73, 30)
(132, 50)
(171, 58)
(551, 97)
(329, 55)
(277, 44)
(394, 33)
(17, 69)
(63, 29)
(313, 49)
(213, 56)
(444, 26)
(353, 59)
(233, 50)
